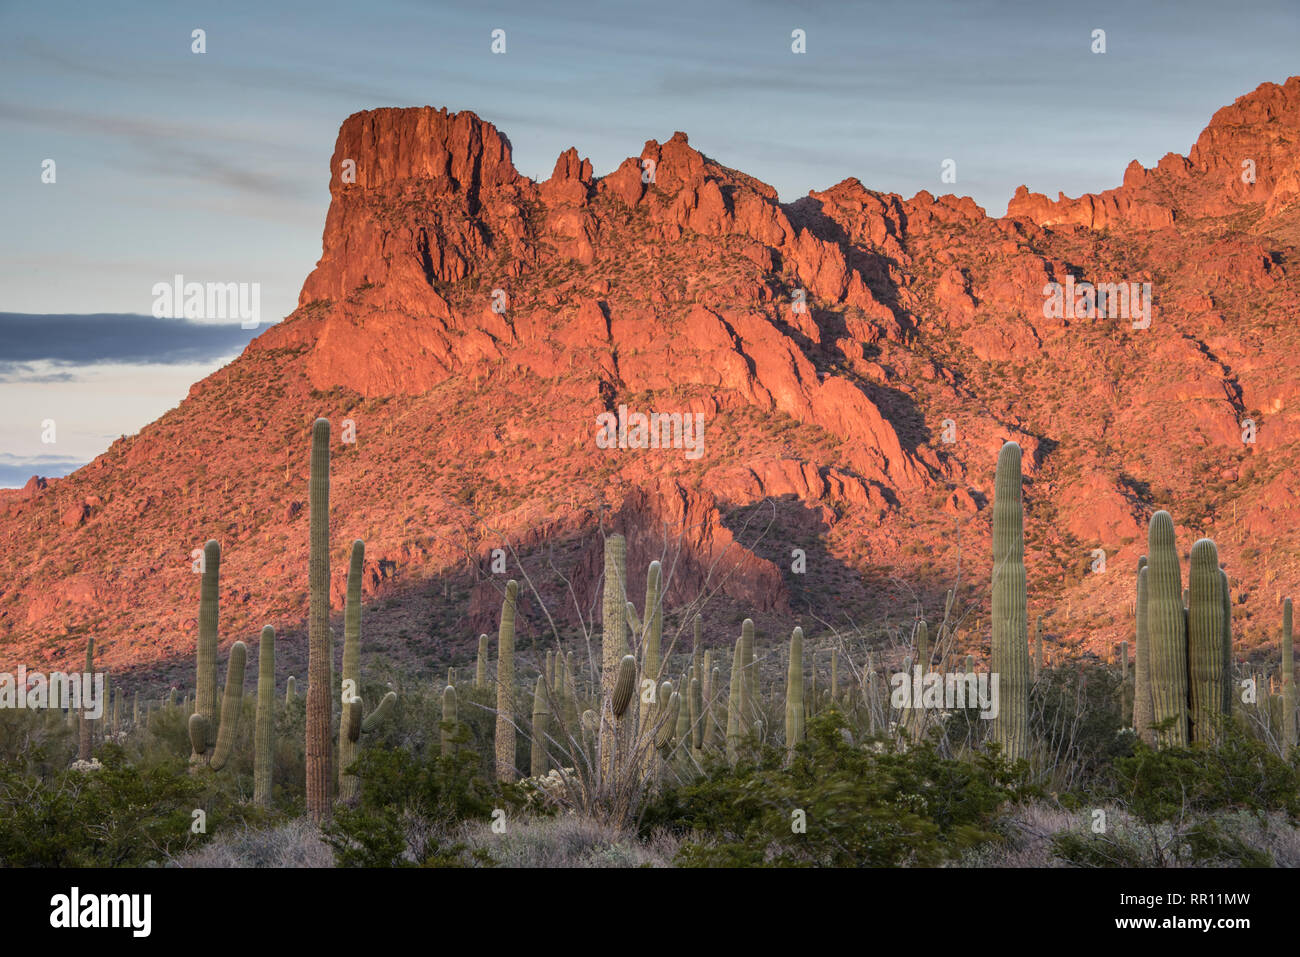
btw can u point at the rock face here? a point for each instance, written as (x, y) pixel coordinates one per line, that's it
(834, 377)
(1248, 155)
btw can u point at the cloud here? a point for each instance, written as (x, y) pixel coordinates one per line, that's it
(34, 347)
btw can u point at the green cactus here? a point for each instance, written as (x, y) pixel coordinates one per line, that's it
(232, 702)
(264, 734)
(320, 642)
(794, 713)
(1227, 643)
(651, 640)
(613, 647)
(505, 726)
(1167, 630)
(1288, 681)
(352, 723)
(449, 725)
(84, 728)
(923, 646)
(696, 690)
(670, 703)
(290, 690)
(835, 676)
(205, 694)
(135, 709)
(1010, 616)
(541, 717)
(1205, 643)
(748, 699)
(1143, 713)
(481, 665)
(624, 685)
(734, 732)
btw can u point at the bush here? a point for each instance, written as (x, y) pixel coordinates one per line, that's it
(405, 808)
(864, 806)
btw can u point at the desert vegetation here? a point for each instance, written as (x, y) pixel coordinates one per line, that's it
(635, 746)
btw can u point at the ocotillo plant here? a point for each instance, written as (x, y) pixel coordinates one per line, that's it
(264, 740)
(505, 728)
(696, 690)
(205, 694)
(1166, 628)
(794, 726)
(1288, 680)
(1010, 616)
(1142, 707)
(613, 646)
(1205, 643)
(320, 644)
(232, 702)
(541, 717)
(353, 720)
(448, 720)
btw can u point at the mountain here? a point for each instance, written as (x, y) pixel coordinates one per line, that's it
(473, 324)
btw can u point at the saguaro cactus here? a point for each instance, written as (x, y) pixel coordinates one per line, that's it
(232, 703)
(1010, 614)
(205, 692)
(1142, 707)
(1227, 643)
(1166, 627)
(505, 730)
(354, 721)
(748, 678)
(541, 717)
(290, 690)
(320, 644)
(794, 726)
(1288, 680)
(734, 730)
(481, 665)
(84, 728)
(613, 646)
(448, 720)
(696, 690)
(264, 735)
(1205, 642)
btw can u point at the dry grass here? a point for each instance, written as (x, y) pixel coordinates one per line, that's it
(565, 841)
(295, 844)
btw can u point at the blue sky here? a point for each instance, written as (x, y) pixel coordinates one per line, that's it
(214, 166)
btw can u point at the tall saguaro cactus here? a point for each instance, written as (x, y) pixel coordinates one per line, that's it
(794, 717)
(1288, 680)
(1167, 629)
(541, 718)
(205, 690)
(613, 646)
(1142, 713)
(505, 730)
(354, 721)
(1010, 659)
(481, 664)
(320, 644)
(1205, 642)
(84, 728)
(653, 620)
(448, 721)
(734, 692)
(264, 735)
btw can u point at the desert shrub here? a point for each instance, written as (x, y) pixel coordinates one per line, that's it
(116, 815)
(1190, 806)
(406, 807)
(865, 805)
